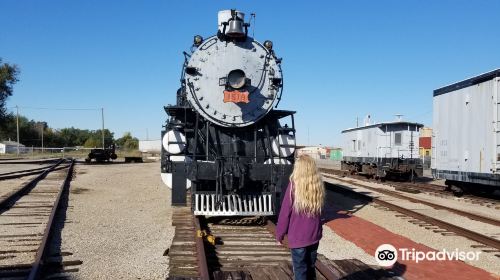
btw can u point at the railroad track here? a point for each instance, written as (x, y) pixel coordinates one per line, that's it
(243, 248)
(27, 219)
(14, 158)
(442, 191)
(26, 161)
(27, 172)
(436, 190)
(428, 221)
(472, 216)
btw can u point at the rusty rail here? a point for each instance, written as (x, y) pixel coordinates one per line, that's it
(12, 197)
(23, 173)
(200, 251)
(35, 270)
(43, 161)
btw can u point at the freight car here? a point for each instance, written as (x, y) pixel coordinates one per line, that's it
(224, 137)
(387, 150)
(102, 155)
(466, 134)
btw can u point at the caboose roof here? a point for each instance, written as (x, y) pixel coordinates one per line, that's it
(419, 125)
(468, 82)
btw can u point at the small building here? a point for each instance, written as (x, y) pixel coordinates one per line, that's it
(424, 142)
(10, 147)
(316, 152)
(335, 154)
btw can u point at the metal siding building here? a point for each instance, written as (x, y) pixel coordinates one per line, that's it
(10, 147)
(466, 134)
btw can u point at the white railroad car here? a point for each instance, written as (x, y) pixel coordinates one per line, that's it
(383, 150)
(150, 146)
(466, 133)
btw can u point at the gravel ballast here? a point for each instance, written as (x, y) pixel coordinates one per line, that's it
(119, 222)
(335, 247)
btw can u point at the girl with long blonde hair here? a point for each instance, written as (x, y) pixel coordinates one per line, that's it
(300, 216)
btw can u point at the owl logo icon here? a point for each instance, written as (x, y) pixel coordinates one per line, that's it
(386, 255)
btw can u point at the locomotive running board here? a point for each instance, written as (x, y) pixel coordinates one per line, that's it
(234, 205)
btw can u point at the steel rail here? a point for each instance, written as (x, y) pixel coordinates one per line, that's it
(418, 186)
(7, 159)
(35, 271)
(470, 215)
(320, 266)
(486, 240)
(441, 190)
(200, 251)
(44, 161)
(12, 197)
(24, 173)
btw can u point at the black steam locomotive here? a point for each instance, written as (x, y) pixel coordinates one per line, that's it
(224, 139)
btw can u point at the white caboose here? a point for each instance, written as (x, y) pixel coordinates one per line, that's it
(383, 150)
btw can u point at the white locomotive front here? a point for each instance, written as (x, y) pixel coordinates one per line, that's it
(224, 138)
(233, 83)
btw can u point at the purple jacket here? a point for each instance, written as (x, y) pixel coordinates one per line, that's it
(302, 230)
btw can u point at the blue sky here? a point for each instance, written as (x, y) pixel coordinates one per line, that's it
(341, 59)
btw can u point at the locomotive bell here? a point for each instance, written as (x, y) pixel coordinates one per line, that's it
(235, 29)
(231, 23)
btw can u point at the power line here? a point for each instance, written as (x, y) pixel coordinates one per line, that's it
(58, 109)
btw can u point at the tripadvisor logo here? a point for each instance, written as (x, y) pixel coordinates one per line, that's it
(387, 255)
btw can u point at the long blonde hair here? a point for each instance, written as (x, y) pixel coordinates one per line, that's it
(307, 187)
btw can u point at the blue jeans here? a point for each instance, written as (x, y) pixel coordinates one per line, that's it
(303, 260)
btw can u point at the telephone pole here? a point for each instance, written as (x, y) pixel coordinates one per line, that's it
(17, 124)
(102, 117)
(42, 135)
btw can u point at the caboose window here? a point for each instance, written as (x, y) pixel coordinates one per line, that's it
(397, 139)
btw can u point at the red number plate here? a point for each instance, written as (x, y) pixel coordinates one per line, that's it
(236, 96)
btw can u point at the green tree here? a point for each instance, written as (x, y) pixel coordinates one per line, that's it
(73, 136)
(93, 142)
(8, 128)
(8, 77)
(128, 142)
(95, 139)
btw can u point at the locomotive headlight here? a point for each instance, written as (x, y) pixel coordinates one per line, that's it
(197, 40)
(236, 79)
(268, 44)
